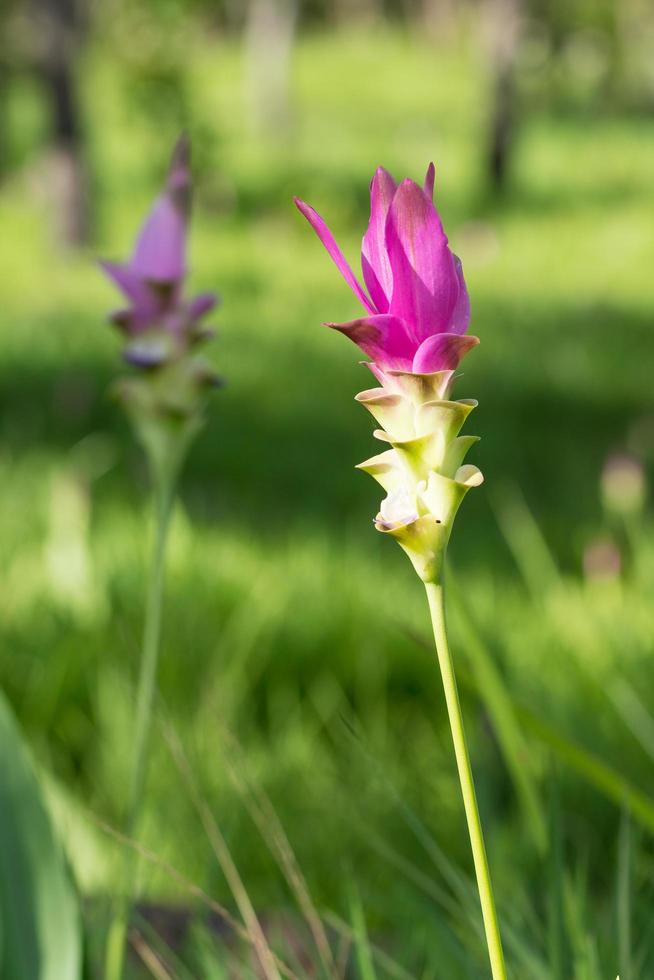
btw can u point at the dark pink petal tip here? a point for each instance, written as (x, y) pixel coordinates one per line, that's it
(179, 172)
(383, 338)
(128, 281)
(383, 177)
(202, 304)
(429, 181)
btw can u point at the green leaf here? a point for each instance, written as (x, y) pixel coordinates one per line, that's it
(39, 913)
(607, 780)
(360, 933)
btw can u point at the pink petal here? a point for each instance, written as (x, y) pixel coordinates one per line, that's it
(160, 250)
(374, 259)
(201, 305)
(429, 181)
(129, 283)
(383, 338)
(460, 317)
(442, 352)
(328, 240)
(179, 172)
(425, 283)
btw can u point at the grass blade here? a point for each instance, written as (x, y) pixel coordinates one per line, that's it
(40, 929)
(361, 942)
(219, 846)
(264, 815)
(623, 898)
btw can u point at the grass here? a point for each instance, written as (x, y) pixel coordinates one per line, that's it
(290, 626)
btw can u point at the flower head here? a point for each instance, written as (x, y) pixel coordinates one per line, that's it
(415, 296)
(162, 327)
(414, 331)
(623, 484)
(159, 321)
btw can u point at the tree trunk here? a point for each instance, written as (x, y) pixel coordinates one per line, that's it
(357, 11)
(270, 35)
(60, 32)
(504, 25)
(438, 18)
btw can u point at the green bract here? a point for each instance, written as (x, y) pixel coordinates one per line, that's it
(423, 472)
(166, 406)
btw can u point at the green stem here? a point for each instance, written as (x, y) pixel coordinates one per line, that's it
(115, 951)
(491, 926)
(624, 896)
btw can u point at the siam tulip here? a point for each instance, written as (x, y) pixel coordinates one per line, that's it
(417, 306)
(414, 332)
(152, 280)
(623, 485)
(165, 398)
(162, 329)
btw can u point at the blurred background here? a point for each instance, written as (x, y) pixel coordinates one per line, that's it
(296, 659)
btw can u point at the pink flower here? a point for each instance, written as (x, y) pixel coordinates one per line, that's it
(417, 306)
(153, 279)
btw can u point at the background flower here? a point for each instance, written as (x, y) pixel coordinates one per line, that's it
(159, 321)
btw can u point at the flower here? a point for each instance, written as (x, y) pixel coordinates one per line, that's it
(163, 328)
(414, 331)
(602, 560)
(160, 323)
(417, 306)
(623, 484)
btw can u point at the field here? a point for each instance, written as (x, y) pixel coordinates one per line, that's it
(296, 656)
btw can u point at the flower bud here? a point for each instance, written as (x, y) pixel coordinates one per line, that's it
(623, 485)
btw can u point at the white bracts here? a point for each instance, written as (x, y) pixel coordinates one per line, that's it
(422, 472)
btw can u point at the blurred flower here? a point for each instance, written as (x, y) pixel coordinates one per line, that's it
(417, 306)
(623, 484)
(160, 323)
(480, 241)
(162, 327)
(68, 556)
(602, 561)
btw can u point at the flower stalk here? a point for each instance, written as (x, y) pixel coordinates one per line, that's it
(414, 331)
(426, 480)
(165, 398)
(163, 496)
(435, 597)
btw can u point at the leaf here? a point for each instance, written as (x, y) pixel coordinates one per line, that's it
(607, 780)
(40, 935)
(360, 933)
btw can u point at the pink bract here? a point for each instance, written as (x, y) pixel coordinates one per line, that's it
(416, 303)
(152, 280)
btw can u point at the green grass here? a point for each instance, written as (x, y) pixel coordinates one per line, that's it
(289, 623)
